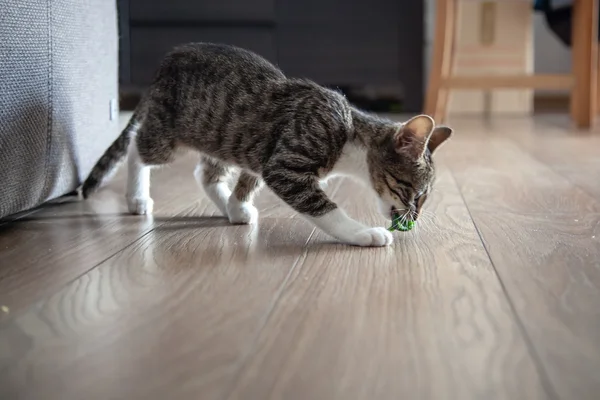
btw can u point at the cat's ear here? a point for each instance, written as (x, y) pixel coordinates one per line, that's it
(439, 135)
(412, 137)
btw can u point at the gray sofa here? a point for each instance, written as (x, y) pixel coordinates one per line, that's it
(58, 96)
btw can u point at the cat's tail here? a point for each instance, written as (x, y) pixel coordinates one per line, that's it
(112, 157)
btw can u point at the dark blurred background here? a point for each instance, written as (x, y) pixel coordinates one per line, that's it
(372, 50)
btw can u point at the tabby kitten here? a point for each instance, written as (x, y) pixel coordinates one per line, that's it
(241, 113)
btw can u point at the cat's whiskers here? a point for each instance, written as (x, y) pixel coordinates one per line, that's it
(404, 217)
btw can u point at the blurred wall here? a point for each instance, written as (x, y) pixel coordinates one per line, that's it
(551, 56)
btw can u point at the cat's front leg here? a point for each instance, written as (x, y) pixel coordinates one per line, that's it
(339, 225)
(303, 193)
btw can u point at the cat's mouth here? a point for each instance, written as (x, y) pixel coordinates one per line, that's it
(401, 214)
(395, 213)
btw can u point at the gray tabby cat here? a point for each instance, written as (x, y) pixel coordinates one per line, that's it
(240, 112)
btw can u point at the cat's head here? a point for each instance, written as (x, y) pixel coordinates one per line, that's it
(401, 167)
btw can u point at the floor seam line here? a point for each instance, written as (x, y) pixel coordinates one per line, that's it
(19, 216)
(546, 382)
(70, 281)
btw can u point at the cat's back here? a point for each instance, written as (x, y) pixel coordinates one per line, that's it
(214, 62)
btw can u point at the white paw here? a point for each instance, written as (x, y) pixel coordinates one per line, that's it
(140, 205)
(242, 213)
(372, 237)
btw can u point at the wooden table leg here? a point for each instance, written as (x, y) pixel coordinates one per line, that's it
(585, 56)
(598, 84)
(441, 60)
(441, 111)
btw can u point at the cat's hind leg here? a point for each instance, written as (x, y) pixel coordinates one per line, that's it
(147, 150)
(138, 183)
(213, 176)
(240, 207)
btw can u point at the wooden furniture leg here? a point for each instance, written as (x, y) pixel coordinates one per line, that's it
(584, 54)
(441, 60)
(598, 84)
(441, 111)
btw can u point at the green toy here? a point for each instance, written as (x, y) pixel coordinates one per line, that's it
(398, 225)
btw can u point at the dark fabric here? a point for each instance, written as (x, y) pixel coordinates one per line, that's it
(560, 23)
(547, 5)
(541, 5)
(58, 77)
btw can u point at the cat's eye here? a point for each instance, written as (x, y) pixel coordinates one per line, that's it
(418, 196)
(400, 182)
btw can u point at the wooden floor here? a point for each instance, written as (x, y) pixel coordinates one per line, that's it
(496, 294)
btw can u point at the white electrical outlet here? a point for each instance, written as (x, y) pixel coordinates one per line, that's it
(113, 110)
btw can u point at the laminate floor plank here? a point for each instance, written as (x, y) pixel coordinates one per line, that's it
(543, 235)
(42, 252)
(167, 317)
(571, 153)
(424, 319)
